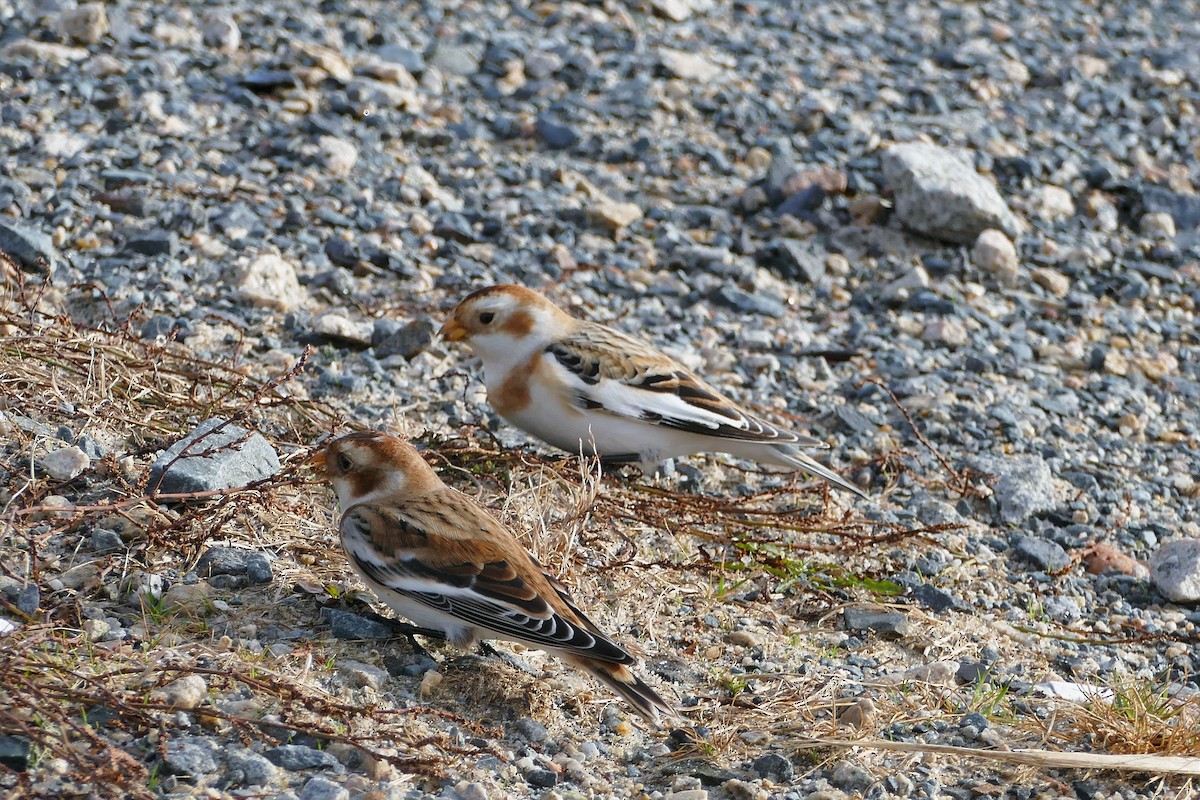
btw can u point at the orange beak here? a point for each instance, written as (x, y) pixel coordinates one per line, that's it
(453, 331)
(316, 460)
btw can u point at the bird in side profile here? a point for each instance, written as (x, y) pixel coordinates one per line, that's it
(438, 558)
(584, 387)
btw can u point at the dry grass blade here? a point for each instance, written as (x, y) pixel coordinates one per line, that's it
(1153, 764)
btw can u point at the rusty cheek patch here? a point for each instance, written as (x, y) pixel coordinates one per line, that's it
(363, 483)
(519, 324)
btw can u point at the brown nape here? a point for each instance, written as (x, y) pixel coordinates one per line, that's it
(499, 288)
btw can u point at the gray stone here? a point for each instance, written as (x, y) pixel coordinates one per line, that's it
(774, 767)
(797, 259)
(454, 58)
(933, 598)
(30, 249)
(251, 565)
(556, 135)
(408, 341)
(1061, 609)
(155, 242)
(542, 778)
(65, 464)
(231, 457)
(1046, 555)
(747, 303)
(247, 768)
(192, 757)
(851, 777)
(14, 752)
(294, 757)
(104, 540)
(1175, 570)
(937, 194)
(531, 730)
(220, 31)
(344, 625)
(29, 597)
(892, 624)
(1023, 487)
(319, 788)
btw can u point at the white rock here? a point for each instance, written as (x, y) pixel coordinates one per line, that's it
(361, 674)
(674, 10)
(95, 629)
(58, 55)
(1052, 281)
(903, 287)
(186, 692)
(1051, 202)
(59, 144)
(688, 66)
(944, 330)
(994, 253)
(430, 681)
(1175, 570)
(1158, 225)
(337, 155)
(613, 215)
(65, 464)
(336, 326)
(85, 24)
(220, 31)
(270, 282)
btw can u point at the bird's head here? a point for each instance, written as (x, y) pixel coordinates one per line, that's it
(499, 322)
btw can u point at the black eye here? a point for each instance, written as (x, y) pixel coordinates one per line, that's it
(486, 317)
(344, 463)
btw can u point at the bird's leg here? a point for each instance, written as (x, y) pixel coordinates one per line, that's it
(485, 649)
(408, 631)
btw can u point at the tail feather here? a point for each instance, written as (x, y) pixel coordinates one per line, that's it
(791, 456)
(647, 702)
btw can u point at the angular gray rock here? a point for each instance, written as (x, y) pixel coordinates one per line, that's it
(1175, 570)
(228, 458)
(247, 768)
(64, 464)
(408, 341)
(1044, 554)
(344, 625)
(294, 757)
(886, 623)
(192, 756)
(234, 562)
(319, 788)
(31, 249)
(1023, 485)
(939, 195)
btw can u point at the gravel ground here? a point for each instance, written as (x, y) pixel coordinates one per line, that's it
(961, 243)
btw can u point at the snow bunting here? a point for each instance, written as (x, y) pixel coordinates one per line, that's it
(435, 556)
(584, 387)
